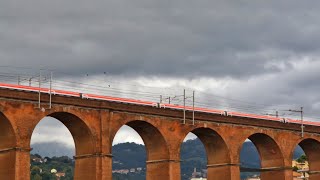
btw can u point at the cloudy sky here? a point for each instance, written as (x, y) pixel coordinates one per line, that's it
(256, 56)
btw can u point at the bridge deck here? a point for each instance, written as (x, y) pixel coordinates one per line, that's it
(26, 93)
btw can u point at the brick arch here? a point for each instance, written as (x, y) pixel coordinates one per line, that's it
(218, 154)
(85, 162)
(271, 156)
(156, 148)
(153, 139)
(80, 131)
(311, 147)
(7, 148)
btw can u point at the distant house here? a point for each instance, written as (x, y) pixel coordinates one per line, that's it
(204, 172)
(302, 172)
(121, 171)
(301, 166)
(117, 162)
(198, 175)
(60, 174)
(38, 160)
(254, 177)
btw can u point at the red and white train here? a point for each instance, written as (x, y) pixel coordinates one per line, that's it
(153, 104)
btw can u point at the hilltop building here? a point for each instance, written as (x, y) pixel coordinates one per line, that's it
(198, 175)
(302, 169)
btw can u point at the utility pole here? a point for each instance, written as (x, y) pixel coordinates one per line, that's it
(30, 79)
(301, 113)
(39, 103)
(168, 98)
(50, 101)
(193, 108)
(160, 99)
(184, 106)
(19, 80)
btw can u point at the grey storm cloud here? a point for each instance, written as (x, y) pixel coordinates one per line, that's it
(175, 38)
(254, 46)
(263, 52)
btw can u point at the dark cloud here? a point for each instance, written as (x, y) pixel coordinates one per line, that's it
(159, 38)
(265, 52)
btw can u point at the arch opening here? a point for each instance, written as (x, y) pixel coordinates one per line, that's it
(217, 154)
(270, 156)
(193, 158)
(129, 155)
(52, 150)
(7, 145)
(61, 142)
(249, 159)
(300, 165)
(308, 161)
(156, 150)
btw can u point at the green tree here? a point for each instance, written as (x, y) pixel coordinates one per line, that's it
(302, 158)
(38, 156)
(48, 176)
(36, 177)
(35, 170)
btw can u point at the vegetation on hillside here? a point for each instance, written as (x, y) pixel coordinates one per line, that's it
(41, 167)
(302, 159)
(128, 156)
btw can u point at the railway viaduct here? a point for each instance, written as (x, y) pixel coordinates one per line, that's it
(93, 125)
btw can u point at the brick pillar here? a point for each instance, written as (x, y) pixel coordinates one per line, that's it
(85, 167)
(22, 163)
(287, 169)
(288, 174)
(235, 160)
(174, 170)
(223, 171)
(163, 169)
(106, 167)
(106, 146)
(93, 167)
(235, 172)
(276, 174)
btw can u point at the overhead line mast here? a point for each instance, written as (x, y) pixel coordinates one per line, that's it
(39, 101)
(301, 113)
(184, 106)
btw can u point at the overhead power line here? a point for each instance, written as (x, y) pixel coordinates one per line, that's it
(129, 90)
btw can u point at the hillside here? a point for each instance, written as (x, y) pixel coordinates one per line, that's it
(41, 167)
(131, 155)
